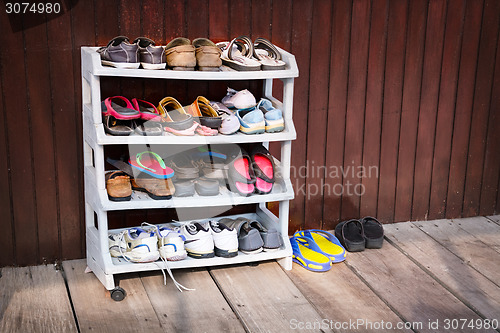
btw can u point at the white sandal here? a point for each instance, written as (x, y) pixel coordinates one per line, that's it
(238, 54)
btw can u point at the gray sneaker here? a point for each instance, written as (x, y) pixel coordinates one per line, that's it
(120, 53)
(249, 239)
(150, 56)
(271, 237)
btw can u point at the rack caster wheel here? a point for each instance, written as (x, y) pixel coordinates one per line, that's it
(118, 294)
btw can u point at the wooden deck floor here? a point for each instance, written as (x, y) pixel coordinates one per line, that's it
(428, 276)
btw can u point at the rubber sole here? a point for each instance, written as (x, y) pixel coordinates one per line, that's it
(200, 255)
(253, 130)
(260, 249)
(118, 199)
(145, 65)
(225, 253)
(121, 65)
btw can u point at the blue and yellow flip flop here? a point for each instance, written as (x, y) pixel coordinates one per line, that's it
(327, 243)
(306, 253)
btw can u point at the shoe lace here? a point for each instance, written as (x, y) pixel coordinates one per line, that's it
(177, 284)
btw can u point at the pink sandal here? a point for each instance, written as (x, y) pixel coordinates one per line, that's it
(110, 108)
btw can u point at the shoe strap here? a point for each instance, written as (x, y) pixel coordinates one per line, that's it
(138, 159)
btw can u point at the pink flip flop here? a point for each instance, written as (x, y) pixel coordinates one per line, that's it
(263, 166)
(110, 107)
(151, 163)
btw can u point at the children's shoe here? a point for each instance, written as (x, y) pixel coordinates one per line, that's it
(242, 99)
(199, 242)
(251, 121)
(140, 245)
(225, 240)
(272, 116)
(230, 123)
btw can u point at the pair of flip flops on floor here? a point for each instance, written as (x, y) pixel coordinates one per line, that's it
(316, 250)
(357, 235)
(123, 117)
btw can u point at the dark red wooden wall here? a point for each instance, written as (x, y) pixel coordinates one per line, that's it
(408, 90)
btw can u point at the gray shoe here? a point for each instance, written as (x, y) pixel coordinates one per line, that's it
(120, 53)
(151, 56)
(249, 239)
(184, 188)
(271, 237)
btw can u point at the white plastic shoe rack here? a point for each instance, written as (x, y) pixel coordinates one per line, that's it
(96, 199)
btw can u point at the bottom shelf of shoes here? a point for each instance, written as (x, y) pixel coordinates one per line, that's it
(104, 266)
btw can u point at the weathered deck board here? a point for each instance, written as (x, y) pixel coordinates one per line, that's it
(462, 280)
(97, 312)
(495, 218)
(190, 311)
(264, 298)
(411, 292)
(482, 228)
(34, 299)
(468, 247)
(340, 296)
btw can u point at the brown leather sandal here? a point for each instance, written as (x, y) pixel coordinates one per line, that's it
(118, 186)
(157, 189)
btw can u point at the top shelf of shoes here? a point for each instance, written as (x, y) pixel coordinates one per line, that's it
(91, 63)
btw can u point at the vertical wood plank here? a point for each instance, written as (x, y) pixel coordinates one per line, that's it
(317, 112)
(38, 88)
(218, 31)
(175, 26)
(445, 109)
(83, 34)
(64, 115)
(240, 18)
(106, 20)
(393, 89)
(465, 95)
(301, 11)
(6, 237)
(197, 26)
(356, 101)
(152, 27)
(492, 156)
(434, 41)
(417, 21)
(373, 112)
(218, 20)
(261, 19)
(480, 110)
(18, 128)
(337, 108)
(130, 22)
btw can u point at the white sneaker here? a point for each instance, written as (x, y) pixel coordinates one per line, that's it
(199, 242)
(171, 244)
(136, 245)
(117, 245)
(225, 240)
(242, 99)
